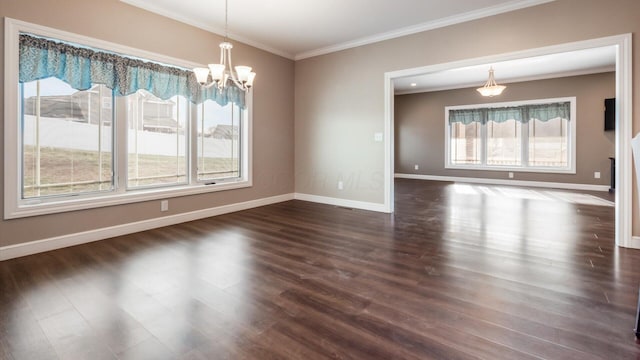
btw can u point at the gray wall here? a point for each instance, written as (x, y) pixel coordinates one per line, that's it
(420, 126)
(339, 97)
(114, 21)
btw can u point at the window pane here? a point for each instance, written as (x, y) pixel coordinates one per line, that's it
(67, 139)
(156, 140)
(548, 141)
(465, 143)
(219, 141)
(504, 143)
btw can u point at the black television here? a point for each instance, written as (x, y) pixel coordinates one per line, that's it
(609, 114)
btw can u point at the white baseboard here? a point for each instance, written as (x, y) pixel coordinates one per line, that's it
(542, 184)
(634, 243)
(58, 242)
(362, 205)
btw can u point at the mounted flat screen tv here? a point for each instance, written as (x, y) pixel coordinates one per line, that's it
(609, 114)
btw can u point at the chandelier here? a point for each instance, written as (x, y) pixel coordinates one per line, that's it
(221, 73)
(490, 88)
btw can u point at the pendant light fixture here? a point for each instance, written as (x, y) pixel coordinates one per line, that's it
(220, 74)
(491, 88)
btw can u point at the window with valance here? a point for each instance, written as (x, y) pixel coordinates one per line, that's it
(98, 123)
(537, 135)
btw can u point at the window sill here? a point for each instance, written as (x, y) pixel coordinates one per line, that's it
(111, 199)
(512, 169)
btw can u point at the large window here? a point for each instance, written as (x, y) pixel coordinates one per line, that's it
(93, 123)
(537, 135)
(67, 139)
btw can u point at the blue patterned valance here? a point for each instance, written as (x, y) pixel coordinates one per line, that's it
(82, 67)
(523, 113)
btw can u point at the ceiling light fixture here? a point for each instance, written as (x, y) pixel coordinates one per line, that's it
(219, 74)
(490, 88)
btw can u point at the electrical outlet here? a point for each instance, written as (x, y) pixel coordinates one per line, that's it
(416, 167)
(377, 137)
(510, 175)
(340, 185)
(164, 205)
(596, 175)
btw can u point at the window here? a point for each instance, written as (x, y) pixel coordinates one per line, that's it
(84, 135)
(536, 136)
(548, 143)
(219, 140)
(66, 139)
(157, 140)
(504, 142)
(465, 143)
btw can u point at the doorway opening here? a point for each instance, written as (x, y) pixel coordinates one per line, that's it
(623, 71)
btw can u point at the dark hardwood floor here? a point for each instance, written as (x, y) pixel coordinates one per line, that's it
(458, 272)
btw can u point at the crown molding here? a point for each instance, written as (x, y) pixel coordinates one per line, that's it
(430, 25)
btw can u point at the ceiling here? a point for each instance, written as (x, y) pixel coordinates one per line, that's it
(580, 62)
(299, 29)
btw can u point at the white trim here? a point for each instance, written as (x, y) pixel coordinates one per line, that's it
(624, 96)
(634, 243)
(429, 25)
(133, 196)
(58, 242)
(615, 40)
(11, 28)
(389, 145)
(15, 208)
(624, 115)
(526, 183)
(149, 6)
(362, 205)
(571, 142)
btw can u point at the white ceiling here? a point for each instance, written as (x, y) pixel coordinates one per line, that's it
(298, 29)
(581, 62)
(302, 28)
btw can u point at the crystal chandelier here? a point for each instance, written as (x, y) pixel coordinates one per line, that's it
(490, 88)
(221, 73)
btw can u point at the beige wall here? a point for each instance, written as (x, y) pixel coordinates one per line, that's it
(420, 127)
(340, 96)
(114, 21)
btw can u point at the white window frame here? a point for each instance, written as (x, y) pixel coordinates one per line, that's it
(571, 146)
(15, 207)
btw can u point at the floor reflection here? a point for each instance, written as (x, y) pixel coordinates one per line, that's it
(533, 194)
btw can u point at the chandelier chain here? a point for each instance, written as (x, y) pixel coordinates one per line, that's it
(226, 20)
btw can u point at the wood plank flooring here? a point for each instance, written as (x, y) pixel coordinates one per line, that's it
(458, 272)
